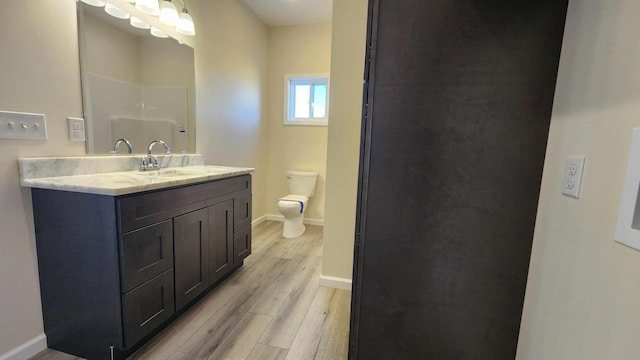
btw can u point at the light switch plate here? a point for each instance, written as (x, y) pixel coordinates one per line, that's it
(22, 126)
(76, 129)
(573, 176)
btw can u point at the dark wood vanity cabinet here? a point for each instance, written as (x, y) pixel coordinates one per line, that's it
(115, 269)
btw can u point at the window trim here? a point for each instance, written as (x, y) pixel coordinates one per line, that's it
(287, 107)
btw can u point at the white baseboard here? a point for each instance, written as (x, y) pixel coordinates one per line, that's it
(272, 217)
(27, 350)
(335, 282)
(259, 220)
(319, 222)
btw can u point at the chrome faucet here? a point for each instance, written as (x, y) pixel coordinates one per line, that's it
(151, 162)
(116, 147)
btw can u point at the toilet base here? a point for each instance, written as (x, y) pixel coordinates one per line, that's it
(293, 227)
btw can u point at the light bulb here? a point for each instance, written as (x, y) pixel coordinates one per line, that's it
(168, 13)
(149, 7)
(115, 11)
(158, 33)
(185, 24)
(137, 23)
(94, 2)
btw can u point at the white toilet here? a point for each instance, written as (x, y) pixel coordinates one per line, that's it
(302, 186)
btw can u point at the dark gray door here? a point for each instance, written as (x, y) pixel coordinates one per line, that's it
(458, 101)
(191, 249)
(220, 240)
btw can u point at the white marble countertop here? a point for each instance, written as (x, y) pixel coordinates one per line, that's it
(128, 182)
(118, 175)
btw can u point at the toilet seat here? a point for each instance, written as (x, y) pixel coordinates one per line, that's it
(291, 201)
(295, 197)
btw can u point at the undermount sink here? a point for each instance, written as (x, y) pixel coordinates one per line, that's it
(168, 173)
(179, 172)
(175, 172)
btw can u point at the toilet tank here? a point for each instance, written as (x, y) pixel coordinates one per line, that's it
(302, 183)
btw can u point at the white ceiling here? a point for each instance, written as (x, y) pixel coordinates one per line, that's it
(292, 12)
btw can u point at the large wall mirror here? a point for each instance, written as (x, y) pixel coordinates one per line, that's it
(135, 86)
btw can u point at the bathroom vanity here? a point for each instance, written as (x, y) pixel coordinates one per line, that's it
(118, 262)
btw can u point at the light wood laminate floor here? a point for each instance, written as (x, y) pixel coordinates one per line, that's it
(270, 309)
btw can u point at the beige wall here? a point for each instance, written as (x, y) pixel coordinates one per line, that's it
(231, 72)
(347, 64)
(39, 74)
(302, 49)
(583, 293)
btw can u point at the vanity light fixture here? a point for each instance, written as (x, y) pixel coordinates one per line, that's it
(115, 11)
(94, 2)
(150, 7)
(165, 10)
(185, 22)
(158, 33)
(138, 23)
(168, 13)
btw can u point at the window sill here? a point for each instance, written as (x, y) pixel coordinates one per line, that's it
(306, 123)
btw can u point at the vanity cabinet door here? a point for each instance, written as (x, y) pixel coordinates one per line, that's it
(220, 240)
(191, 238)
(145, 254)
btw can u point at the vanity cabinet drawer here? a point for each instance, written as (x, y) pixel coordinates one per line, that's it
(241, 246)
(147, 307)
(149, 208)
(241, 211)
(145, 253)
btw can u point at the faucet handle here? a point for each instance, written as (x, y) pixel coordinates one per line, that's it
(143, 164)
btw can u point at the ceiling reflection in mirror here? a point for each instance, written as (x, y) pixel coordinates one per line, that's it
(135, 86)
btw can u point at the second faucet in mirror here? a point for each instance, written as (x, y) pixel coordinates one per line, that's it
(116, 146)
(151, 162)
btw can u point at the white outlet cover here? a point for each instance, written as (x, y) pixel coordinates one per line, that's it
(76, 129)
(626, 233)
(573, 176)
